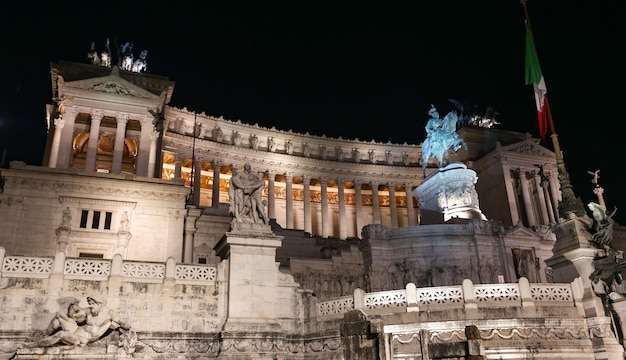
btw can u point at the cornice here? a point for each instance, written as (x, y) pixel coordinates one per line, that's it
(112, 189)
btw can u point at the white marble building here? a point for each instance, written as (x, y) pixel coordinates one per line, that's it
(132, 203)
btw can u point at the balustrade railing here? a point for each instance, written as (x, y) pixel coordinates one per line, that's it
(101, 270)
(468, 296)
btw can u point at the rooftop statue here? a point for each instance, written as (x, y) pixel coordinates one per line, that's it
(141, 64)
(105, 57)
(92, 55)
(440, 137)
(127, 56)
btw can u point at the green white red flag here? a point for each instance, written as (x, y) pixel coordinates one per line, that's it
(534, 76)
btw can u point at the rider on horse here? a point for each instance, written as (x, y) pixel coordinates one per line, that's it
(441, 136)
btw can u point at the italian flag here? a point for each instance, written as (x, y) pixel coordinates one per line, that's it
(534, 76)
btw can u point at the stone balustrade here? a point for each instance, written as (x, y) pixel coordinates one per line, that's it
(101, 269)
(467, 296)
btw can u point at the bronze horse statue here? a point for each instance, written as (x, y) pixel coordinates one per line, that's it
(444, 138)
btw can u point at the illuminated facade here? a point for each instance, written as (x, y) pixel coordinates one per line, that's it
(132, 202)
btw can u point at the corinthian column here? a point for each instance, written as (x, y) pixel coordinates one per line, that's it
(410, 210)
(325, 217)
(527, 201)
(56, 142)
(215, 195)
(94, 135)
(289, 200)
(375, 202)
(306, 181)
(154, 136)
(343, 234)
(543, 207)
(358, 207)
(392, 205)
(120, 136)
(271, 195)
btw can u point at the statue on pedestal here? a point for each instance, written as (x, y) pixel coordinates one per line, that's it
(441, 136)
(246, 204)
(608, 265)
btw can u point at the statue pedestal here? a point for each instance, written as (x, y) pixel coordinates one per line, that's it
(250, 250)
(448, 194)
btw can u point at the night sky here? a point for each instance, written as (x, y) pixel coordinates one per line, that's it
(344, 68)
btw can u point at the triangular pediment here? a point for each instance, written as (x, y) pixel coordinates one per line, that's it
(112, 84)
(529, 146)
(521, 231)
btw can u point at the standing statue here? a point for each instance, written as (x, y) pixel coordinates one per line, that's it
(127, 56)
(140, 64)
(105, 56)
(440, 137)
(246, 204)
(92, 55)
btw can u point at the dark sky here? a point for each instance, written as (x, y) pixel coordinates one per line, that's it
(343, 68)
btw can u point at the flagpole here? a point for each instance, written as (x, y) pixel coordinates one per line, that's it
(570, 203)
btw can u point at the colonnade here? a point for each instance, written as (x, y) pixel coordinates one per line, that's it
(539, 200)
(61, 150)
(324, 206)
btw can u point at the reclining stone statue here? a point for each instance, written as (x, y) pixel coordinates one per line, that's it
(80, 326)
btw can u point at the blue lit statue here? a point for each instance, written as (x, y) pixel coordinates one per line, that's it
(440, 137)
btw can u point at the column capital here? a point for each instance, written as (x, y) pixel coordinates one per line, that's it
(122, 118)
(271, 173)
(357, 183)
(70, 112)
(147, 121)
(59, 123)
(96, 115)
(154, 135)
(374, 183)
(288, 176)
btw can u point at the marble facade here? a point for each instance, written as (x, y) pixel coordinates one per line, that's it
(131, 203)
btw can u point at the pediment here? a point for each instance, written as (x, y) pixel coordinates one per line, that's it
(521, 231)
(529, 146)
(112, 84)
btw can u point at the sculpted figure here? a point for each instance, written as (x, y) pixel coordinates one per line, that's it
(67, 217)
(219, 134)
(79, 326)
(105, 56)
(127, 56)
(440, 137)
(370, 156)
(339, 153)
(271, 144)
(92, 55)
(254, 141)
(246, 203)
(289, 147)
(140, 64)
(323, 152)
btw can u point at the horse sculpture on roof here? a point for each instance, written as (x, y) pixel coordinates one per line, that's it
(441, 137)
